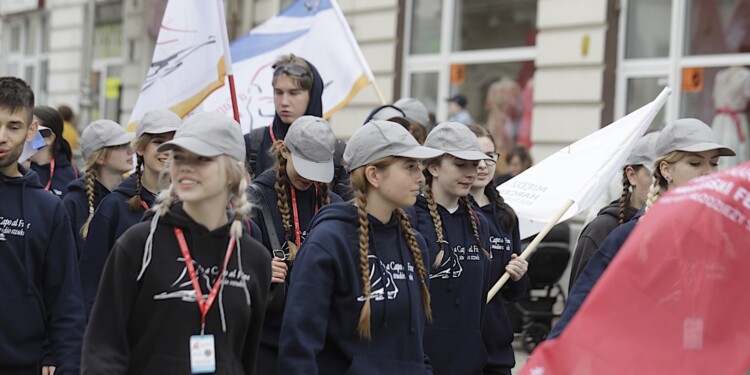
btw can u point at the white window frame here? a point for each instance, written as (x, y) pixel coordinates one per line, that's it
(36, 58)
(441, 62)
(670, 67)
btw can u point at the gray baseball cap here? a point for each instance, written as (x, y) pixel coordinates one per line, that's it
(158, 121)
(312, 144)
(456, 139)
(209, 134)
(103, 133)
(644, 152)
(691, 135)
(378, 139)
(414, 110)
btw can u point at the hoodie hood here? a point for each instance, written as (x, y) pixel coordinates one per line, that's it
(127, 186)
(62, 175)
(28, 178)
(314, 107)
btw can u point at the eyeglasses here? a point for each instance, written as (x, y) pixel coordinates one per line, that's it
(493, 156)
(291, 69)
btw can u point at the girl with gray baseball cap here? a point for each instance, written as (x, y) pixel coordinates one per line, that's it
(151, 315)
(458, 239)
(125, 206)
(287, 197)
(687, 149)
(107, 154)
(359, 298)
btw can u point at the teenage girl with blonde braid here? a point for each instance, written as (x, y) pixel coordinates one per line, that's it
(458, 237)
(151, 316)
(636, 182)
(129, 201)
(687, 149)
(359, 297)
(290, 194)
(107, 154)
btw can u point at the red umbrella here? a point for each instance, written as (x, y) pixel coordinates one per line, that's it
(675, 299)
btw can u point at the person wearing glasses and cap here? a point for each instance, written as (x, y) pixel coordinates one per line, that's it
(53, 163)
(636, 182)
(107, 154)
(150, 316)
(287, 197)
(297, 91)
(458, 238)
(687, 149)
(359, 297)
(505, 247)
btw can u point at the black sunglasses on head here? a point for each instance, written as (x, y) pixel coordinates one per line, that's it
(291, 69)
(46, 133)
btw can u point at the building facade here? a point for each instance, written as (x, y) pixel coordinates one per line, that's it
(539, 72)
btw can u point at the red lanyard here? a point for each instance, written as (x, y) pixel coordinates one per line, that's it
(51, 174)
(203, 306)
(144, 205)
(297, 234)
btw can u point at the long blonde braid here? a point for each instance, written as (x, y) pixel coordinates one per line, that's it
(363, 327)
(416, 254)
(92, 167)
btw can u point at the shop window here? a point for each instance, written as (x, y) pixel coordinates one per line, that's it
(426, 16)
(424, 86)
(15, 38)
(648, 27)
(499, 96)
(717, 26)
(642, 91)
(482, 24)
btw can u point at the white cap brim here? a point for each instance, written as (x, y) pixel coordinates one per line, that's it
(708, 146)
(469, 155)
(121, 140)
(420, 152)
(314, 171)
(194, 145)
(161, 130)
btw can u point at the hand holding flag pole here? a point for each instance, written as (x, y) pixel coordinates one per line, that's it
(531, 248)
(587, 166)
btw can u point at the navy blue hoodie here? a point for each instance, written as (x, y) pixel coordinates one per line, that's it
(63, 175)
(76, 202)
(39, 270)
(319, 333)
(112, 218)
(593, 270)
(497, 331)
(307, 204)
(144, 326)
(458, 287)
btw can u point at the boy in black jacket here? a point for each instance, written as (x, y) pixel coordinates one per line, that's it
(37, 253)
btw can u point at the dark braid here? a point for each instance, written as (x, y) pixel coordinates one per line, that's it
(436, 221)
(625, 197)
(508, 219)
(474, 229)
(134, 203)
(282, 181)
(416, 253)
(323, 198)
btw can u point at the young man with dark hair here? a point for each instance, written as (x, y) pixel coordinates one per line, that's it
(38, 263)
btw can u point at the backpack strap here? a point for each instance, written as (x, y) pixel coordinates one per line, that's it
(253, 141)
(273, 238)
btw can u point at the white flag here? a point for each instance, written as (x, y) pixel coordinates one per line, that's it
(313, 29)
(580, 172)
(190, 59)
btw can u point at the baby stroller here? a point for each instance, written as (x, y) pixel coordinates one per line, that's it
(532, 315)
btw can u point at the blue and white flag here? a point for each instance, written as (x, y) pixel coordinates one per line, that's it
(313, 29)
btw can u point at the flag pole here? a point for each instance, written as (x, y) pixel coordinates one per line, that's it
(531, 248)
(228, 60)
(378, 92)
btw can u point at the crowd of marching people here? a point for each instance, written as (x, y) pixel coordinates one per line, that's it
(284, 250)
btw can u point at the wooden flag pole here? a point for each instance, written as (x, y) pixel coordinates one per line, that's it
(378, 92)
(531, 248)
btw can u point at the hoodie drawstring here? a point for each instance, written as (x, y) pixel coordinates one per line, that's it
(148, 247)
